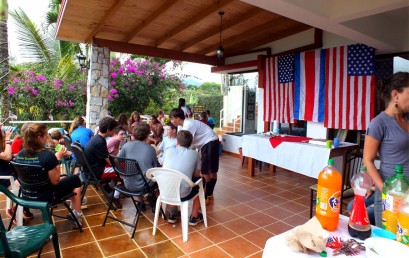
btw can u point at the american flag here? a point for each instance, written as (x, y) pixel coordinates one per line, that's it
(309, 93)
(350, 87)
(279, 89)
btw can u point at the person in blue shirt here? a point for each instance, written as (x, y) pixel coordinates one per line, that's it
(78, 131)
(210, 119)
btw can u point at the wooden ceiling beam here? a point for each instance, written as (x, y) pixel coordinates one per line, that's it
(157, 13)
(235, 21)
(246, 34)
(101, 23)
(194, 19)
(122, 47)
(269, 38)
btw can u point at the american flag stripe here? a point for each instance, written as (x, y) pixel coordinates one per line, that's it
(278, 97)
(348, 100)
(309, 99)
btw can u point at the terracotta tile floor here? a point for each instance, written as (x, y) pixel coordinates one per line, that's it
(245, 213)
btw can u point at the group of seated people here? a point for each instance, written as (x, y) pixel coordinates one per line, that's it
(151, 145)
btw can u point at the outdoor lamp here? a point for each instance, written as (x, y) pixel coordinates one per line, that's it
(81, 61)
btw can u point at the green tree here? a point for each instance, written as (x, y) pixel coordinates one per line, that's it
(4, 59)
(140, 84)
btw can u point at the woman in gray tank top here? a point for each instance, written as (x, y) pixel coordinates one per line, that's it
(388, 136)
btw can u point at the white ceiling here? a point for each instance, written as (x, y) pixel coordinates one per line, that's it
(382, 24)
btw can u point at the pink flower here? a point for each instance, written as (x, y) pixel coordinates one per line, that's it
(41, 78)
(71, 87)
(114, 75)
(113, 91)
(11, 90)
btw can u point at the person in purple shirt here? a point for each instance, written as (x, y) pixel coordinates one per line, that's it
(388, 136)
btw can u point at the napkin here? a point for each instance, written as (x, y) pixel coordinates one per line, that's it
(310, 236)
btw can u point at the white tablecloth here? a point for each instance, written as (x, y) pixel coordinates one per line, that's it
(304, 158)
(277, 246)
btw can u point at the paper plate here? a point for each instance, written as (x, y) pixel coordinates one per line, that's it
(377, 247)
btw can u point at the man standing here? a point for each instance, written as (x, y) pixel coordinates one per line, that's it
(206, 142)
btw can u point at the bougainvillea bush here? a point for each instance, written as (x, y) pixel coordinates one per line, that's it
(37, 96)
(136, 83)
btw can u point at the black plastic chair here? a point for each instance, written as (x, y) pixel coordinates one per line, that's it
(22, 241)
(33, 179)
(68, 162)
(89, 178)
(125, 167)
(352, 163)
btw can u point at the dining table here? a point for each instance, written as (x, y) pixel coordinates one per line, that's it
(292, 153)
(276, 246)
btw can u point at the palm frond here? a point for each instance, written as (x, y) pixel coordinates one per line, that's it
(66, 66)
(36, 46)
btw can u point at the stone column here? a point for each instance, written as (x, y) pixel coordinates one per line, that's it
(97, 86)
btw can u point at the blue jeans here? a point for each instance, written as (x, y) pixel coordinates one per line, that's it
(369, 204)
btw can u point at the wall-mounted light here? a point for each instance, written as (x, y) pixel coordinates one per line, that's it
(82, 61)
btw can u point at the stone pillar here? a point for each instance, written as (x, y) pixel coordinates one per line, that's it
(97, 86)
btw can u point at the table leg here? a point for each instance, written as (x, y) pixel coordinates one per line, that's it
(250, 166)
(272, 168)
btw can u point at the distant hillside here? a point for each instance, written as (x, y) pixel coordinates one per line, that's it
(192, 81)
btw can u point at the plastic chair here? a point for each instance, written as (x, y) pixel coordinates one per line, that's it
(33, 179)
(9, 204)
(169, 181)
(90, 178)
(25, 240)
(69, 163)
(352, 163)
(130, 168)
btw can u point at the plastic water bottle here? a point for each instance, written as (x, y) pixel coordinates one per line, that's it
(358, 225)
(394, 191)
(329, 196)
(402, 234)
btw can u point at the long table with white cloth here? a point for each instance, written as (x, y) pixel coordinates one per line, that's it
(304, 158)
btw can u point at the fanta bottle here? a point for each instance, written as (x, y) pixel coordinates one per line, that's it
(394, 192)
(402, 234)
(329, 196)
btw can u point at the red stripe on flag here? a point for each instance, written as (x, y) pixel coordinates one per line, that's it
(310, 79)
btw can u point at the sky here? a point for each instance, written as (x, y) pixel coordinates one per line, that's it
(35, 9)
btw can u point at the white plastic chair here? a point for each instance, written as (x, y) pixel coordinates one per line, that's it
(15, 190)
(169, 193)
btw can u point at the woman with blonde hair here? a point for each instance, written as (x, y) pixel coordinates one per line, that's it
(134, 120)
(34, 153)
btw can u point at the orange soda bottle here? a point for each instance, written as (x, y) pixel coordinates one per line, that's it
(394, 194)
(402, 234)
(329, 197)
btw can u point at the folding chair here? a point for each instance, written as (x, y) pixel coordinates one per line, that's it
(69, 163)
(169, 181)
(90, 178)
(129, 168)
(22, 241)
(33, 179)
